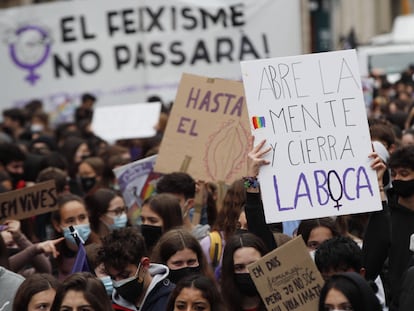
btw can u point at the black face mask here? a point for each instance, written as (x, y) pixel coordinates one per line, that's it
(15, 178)
(241, 231)
(130, 289)
(151, 234)
(245, 284)
(87, 183)
(404, 188)
(177, 275)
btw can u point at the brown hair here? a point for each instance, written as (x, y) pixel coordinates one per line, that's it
(176, 240)
(167, 206)
(92, 288)
(34, 284)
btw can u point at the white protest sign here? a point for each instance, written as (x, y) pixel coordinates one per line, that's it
(131, 178)
(126, 121)
(310, 110)
(126, 50)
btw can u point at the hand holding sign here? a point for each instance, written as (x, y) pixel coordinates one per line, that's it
(255, 157)
(378, 165)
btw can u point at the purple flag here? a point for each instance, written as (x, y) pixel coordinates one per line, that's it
(81, 262)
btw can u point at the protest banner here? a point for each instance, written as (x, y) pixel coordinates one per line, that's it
(126, 121)
(310, 110)
(287, 278)
(124, 51)
(207, 131)
(132, 177)
(27, 202)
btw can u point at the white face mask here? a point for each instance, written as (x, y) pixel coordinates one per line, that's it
(312, 254)
(34, 128)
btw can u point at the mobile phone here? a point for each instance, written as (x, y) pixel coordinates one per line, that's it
(3, 227)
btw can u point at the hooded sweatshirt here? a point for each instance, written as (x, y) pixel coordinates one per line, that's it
(156, 296)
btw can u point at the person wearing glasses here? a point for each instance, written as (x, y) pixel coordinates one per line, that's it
(107, 211)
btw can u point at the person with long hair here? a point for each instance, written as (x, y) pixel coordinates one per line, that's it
(71, 212)
(237, 287)
(348, 291)
(181, 252)
(195, 292)
(159, 214)
(81, 291)
(227, 222)
(107, 211)
(37, 292)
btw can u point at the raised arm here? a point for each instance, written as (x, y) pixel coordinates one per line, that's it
(254, 205)
(377, 237)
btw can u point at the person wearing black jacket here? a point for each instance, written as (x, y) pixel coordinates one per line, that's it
(388, 232)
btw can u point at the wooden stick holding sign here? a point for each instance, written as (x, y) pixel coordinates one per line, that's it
(287, 278)
(27, 202)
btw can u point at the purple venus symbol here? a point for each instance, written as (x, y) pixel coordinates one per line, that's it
(30, 50)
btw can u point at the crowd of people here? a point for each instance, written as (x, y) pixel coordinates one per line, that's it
(175, 258)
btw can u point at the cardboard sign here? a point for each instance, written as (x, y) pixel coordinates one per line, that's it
(311, 111)
(126, 121)
(287, 278)
(132, 177)
(126, 50)
(24, 203)
(207, 130)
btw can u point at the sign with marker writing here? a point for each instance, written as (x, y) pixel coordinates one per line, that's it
(27, 202)
(311, 111)
(287, 278)
(207, 131)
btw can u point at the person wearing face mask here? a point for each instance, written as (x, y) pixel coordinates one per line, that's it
(237, 287)
(138, 283)
(388, 231)
(74, 149)
(90, 173)
(12, 162)
(71, 212)
(159, 214)
(107, 211)
(181, 252)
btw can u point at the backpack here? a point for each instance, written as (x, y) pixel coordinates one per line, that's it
(216, 248)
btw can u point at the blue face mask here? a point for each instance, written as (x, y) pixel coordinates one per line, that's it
(119, 221)
(107, 282)
(84, 231)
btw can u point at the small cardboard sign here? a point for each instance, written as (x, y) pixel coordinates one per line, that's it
(126, 121)
(24, 203)
(311, 112)
(207, 131)
(287, 278)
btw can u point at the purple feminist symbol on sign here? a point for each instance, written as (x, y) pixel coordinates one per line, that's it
(30, 49)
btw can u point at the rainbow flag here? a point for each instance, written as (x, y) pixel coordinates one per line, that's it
(150, 185)
(258, 122)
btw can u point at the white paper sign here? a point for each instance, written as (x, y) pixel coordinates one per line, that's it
(126, 121)
(310, 110)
